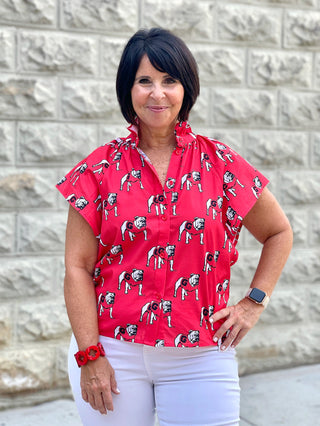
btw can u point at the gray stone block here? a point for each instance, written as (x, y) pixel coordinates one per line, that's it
(111, 51)
(302, 267)
(272, 347)
(220, 65)
(300, 109)
(26, 369)
(90, 99)
(21, 278)
(41, 232)
(270, 68)
(315, 228)
(300, 187)
(315, 150)
(46, 320)
(7, 233)
(20, 189)
(254, 25)
(113, 16)
(299, 224)
(7, 49)
(185, 18)
(32, 97)
(277, 149)
(36, 12)
(7, 142)
(317, 71)
(6, 325)
(110, 132)
(61, 372)
(302, 28)
(55, 142)
(200, 111)
(285, 307)
(56, 52)
(244, 107)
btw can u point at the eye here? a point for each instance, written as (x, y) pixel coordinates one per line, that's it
(170, 80)
(144, 80)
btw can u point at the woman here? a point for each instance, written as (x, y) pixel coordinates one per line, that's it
(153, 225)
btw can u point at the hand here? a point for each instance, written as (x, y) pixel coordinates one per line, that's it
(97, 382)
(240, 318)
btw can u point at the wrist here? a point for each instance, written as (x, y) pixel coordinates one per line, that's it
(90, 354)
(258, 296)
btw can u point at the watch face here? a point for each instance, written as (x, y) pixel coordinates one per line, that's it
(257, 295)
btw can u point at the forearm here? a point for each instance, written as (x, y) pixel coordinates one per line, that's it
(81, 306)
(274, 254)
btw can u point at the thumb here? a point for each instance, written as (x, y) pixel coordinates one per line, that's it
(114, 386)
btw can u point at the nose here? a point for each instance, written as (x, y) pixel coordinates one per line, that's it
(157, 91)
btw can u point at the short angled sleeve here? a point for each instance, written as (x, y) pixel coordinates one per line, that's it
(81, 189)
(242, 186)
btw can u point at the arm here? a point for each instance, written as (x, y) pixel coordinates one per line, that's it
(269, 225)
(97, 377)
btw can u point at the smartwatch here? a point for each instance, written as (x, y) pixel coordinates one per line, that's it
(258, 296)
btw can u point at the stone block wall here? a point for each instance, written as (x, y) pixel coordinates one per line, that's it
(259, 65)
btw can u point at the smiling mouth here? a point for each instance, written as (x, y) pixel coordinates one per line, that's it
(156, 108)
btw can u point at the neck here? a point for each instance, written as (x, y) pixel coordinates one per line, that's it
(150, 139)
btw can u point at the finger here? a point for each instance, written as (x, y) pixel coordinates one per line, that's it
(230, 337)
(84, 396)
(91, 401)
(100, 403)
(223, 329)
(107, 400)
(114, 386)
(238, 339)
(223, 313)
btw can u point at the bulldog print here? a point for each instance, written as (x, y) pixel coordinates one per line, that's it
(160, 255)
(187, 340)
(230, 183)
(205, 315)
(223, 153)
(150, 311)
(257, 185)
(210, 261)
(187, 285)
(127, 333)
(191, 229)
(216, 207)
(135, 227)
(221, 289)
(132, 279)
(205, 161)
(80, 203)
(191, 179)
(113, 254)
(77, 172)
(105, 302)
(158, 202)
(131, 178)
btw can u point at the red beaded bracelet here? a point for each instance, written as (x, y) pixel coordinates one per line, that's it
(90, 354)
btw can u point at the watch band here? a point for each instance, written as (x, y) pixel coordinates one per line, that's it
(258, 296)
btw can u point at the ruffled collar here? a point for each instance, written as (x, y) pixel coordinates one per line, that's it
(183, 133)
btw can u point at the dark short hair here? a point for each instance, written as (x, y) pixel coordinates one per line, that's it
(167, 53)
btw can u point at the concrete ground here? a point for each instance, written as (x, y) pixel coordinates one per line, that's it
(285, 397)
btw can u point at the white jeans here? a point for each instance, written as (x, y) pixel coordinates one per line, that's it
(186, 386)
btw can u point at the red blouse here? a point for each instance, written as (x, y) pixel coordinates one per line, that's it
(165, 253)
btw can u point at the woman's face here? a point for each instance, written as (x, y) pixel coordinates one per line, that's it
(156, 97)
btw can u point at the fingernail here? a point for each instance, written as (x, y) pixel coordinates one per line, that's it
(215, 339)
(211, 320)
(117, 390)
(223, 348)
